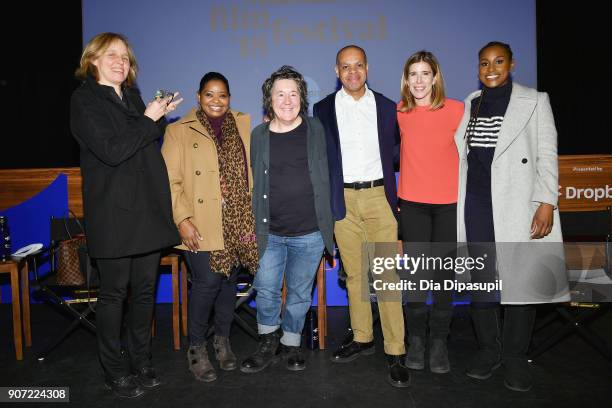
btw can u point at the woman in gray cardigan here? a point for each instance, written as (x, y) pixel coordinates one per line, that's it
(291, 203)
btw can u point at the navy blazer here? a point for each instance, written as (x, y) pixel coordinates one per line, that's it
(388, 142)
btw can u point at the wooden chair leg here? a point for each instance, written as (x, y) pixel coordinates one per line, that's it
(184, 303)
(25, 303)
(321, 305)
(153, 326)
(175, 304)
(16, 312)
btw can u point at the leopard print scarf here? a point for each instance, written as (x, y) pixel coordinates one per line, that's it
(237, 215)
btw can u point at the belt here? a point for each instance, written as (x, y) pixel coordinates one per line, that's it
(360, 185)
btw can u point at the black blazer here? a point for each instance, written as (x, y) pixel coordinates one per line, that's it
(388, 143)
(126, 194)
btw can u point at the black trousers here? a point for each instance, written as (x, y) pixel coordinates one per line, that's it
(139, 274)
(209, 291)
(480, 234)
(421, 224)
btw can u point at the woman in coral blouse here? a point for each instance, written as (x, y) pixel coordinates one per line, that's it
(428, 200)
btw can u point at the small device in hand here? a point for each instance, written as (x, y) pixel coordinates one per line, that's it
(163, 94)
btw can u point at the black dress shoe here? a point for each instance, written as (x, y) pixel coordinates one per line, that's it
(399, 376)
(125, 387)
(147, 378)
(294, 357)
(350, 352)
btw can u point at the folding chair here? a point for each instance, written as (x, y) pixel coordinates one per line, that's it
(77, 301)
(580, 230)
(245, 293)
(348, 338)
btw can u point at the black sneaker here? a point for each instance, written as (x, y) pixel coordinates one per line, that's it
(147, 378)
(124, 387)
(265, 355)
(295, 358)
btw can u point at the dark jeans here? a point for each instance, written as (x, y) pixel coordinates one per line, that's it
(429, 223)
(139, 273)
(209, 291)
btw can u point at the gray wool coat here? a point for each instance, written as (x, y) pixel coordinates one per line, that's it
(524, 173)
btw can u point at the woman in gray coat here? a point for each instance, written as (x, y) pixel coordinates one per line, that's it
(507, 206)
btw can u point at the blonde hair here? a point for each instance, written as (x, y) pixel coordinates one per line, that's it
(95, 48)
(437, 89)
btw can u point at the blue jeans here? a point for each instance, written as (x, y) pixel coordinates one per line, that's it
(297, 258)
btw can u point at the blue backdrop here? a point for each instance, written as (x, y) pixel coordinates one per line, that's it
(177, 42)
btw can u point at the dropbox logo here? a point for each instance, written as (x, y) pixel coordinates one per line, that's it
(588, 193)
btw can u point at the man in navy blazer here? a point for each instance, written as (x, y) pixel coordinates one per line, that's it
(362, 146)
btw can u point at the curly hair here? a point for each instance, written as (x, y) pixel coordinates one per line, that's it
(284, 72)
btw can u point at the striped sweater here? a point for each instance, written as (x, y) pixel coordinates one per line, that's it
(482, 137)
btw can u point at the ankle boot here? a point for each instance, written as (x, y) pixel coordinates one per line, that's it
(439, 328)
(518, 326)
(488, 357)
(438, 356)
(199, 364)
(416, 324)
(224, 354)
(265, 355)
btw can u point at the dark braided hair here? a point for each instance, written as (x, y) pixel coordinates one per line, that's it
(474, 115)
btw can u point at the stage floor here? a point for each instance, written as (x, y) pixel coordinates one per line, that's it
(571, 374)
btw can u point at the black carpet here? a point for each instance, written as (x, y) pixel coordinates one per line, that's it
(571, 374)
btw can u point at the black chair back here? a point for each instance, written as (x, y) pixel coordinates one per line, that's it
(594, 225)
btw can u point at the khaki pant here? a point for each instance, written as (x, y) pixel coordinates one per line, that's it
(369, 220)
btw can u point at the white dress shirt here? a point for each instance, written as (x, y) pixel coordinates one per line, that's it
(358, 131)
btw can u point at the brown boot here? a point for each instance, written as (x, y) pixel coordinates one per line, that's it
(199, 364)
(223, 352)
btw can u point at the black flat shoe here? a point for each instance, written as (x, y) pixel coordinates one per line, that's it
(147, 378)
(124, 387)
(399, 376)
(349, 352)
